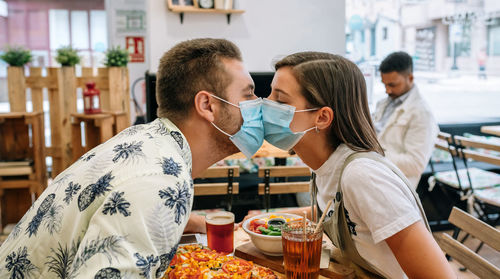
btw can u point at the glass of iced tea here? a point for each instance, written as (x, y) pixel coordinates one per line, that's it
(301, 251)
(220, 231)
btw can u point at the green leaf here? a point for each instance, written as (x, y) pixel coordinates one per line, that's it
(16, 56)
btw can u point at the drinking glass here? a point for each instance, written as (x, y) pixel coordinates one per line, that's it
(220, 231)
(301, 251)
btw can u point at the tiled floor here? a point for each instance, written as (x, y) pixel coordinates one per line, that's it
(486, 252)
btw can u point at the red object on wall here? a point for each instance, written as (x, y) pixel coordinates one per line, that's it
(91, 99)
(136, 48)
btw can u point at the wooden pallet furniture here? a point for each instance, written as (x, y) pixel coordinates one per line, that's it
(228, 188)
(468, 258)
(97, 128)
(268, 188)
(22, 163)
(62, 86)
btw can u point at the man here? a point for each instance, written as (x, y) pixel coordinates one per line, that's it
(405, 126)
(120, 210)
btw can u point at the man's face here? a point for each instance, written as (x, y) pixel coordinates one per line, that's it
(397, 84)
(240, 89)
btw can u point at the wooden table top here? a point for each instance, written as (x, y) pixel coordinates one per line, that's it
(242, 242)
(266, 150)
(492, 130)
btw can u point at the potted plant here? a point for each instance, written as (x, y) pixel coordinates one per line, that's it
(116, 57)
(117, 99)
(67, 56)
(16, 56)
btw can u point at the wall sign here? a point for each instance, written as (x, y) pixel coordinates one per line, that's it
(130, 21)
(136, 48)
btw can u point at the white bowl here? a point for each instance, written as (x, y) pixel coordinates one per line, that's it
(267, 244)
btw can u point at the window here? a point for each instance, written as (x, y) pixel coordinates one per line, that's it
(494, 40)
(59, 28)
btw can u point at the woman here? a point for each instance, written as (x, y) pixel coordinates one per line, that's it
(318, 107)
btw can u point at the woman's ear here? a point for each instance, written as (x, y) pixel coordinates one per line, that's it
(324, 118)
(204, 105)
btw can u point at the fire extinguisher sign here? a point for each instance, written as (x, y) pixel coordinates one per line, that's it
(136, 48)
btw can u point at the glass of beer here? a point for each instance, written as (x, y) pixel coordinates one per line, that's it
(220, 231)
(301, 251)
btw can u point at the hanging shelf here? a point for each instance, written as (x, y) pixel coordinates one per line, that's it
(188, 9)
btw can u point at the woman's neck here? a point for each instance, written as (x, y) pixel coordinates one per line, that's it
(314, 151)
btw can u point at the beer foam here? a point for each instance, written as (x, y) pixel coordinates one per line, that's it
(219, 219)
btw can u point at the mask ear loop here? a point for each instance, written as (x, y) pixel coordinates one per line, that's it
(311, 129)
(304, 110)
(220, 99)
(220, 130)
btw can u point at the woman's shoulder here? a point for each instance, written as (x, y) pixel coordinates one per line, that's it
(363, 172)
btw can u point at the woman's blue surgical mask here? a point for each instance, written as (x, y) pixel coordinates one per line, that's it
(276, 118)
(251, 134)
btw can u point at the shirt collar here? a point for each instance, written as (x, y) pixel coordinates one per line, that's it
(175, 132)
(340, 153)
(401, 99)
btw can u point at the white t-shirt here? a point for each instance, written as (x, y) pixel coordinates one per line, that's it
(378, 205)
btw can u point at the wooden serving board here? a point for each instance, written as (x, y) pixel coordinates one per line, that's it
(248, 252)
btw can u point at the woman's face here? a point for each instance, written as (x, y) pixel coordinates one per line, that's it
(285, 89)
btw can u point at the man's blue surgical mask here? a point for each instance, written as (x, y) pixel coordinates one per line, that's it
(251, 134)
(276, 118)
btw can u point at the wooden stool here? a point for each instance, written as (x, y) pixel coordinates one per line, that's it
(22, 165)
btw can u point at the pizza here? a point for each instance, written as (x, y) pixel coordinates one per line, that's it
(197, 262)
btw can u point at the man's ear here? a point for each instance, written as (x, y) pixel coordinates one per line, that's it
(410, 77)
(324, 118)
(204, 105)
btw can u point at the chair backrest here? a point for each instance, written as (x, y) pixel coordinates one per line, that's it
(478, 150)
(284, 187)
(480, 230)
(445, 142)
(229, 187)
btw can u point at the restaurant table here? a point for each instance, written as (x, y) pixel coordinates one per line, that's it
(492, 130)
(266, 150)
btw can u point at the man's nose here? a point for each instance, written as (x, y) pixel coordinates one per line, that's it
(388, 90)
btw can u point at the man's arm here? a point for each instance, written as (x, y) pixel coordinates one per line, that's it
(136, 229)
(196, 224)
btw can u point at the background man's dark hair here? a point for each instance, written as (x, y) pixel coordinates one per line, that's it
(400, 62)
(189, 67)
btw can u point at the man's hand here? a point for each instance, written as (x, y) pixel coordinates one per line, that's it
(195, 224)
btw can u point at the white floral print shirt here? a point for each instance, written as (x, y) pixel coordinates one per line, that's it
(118, 212)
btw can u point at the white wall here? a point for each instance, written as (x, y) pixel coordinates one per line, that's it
(117, 38)
(267, 29)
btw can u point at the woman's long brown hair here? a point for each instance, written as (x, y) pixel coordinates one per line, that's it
(333, 81)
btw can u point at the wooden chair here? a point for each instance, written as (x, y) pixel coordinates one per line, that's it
(22, 160)
(486, 200)
(269, 188)
(458, 184)
(480, 230)
(228, 188)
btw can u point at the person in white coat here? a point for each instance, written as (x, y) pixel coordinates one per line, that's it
(405, 125)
